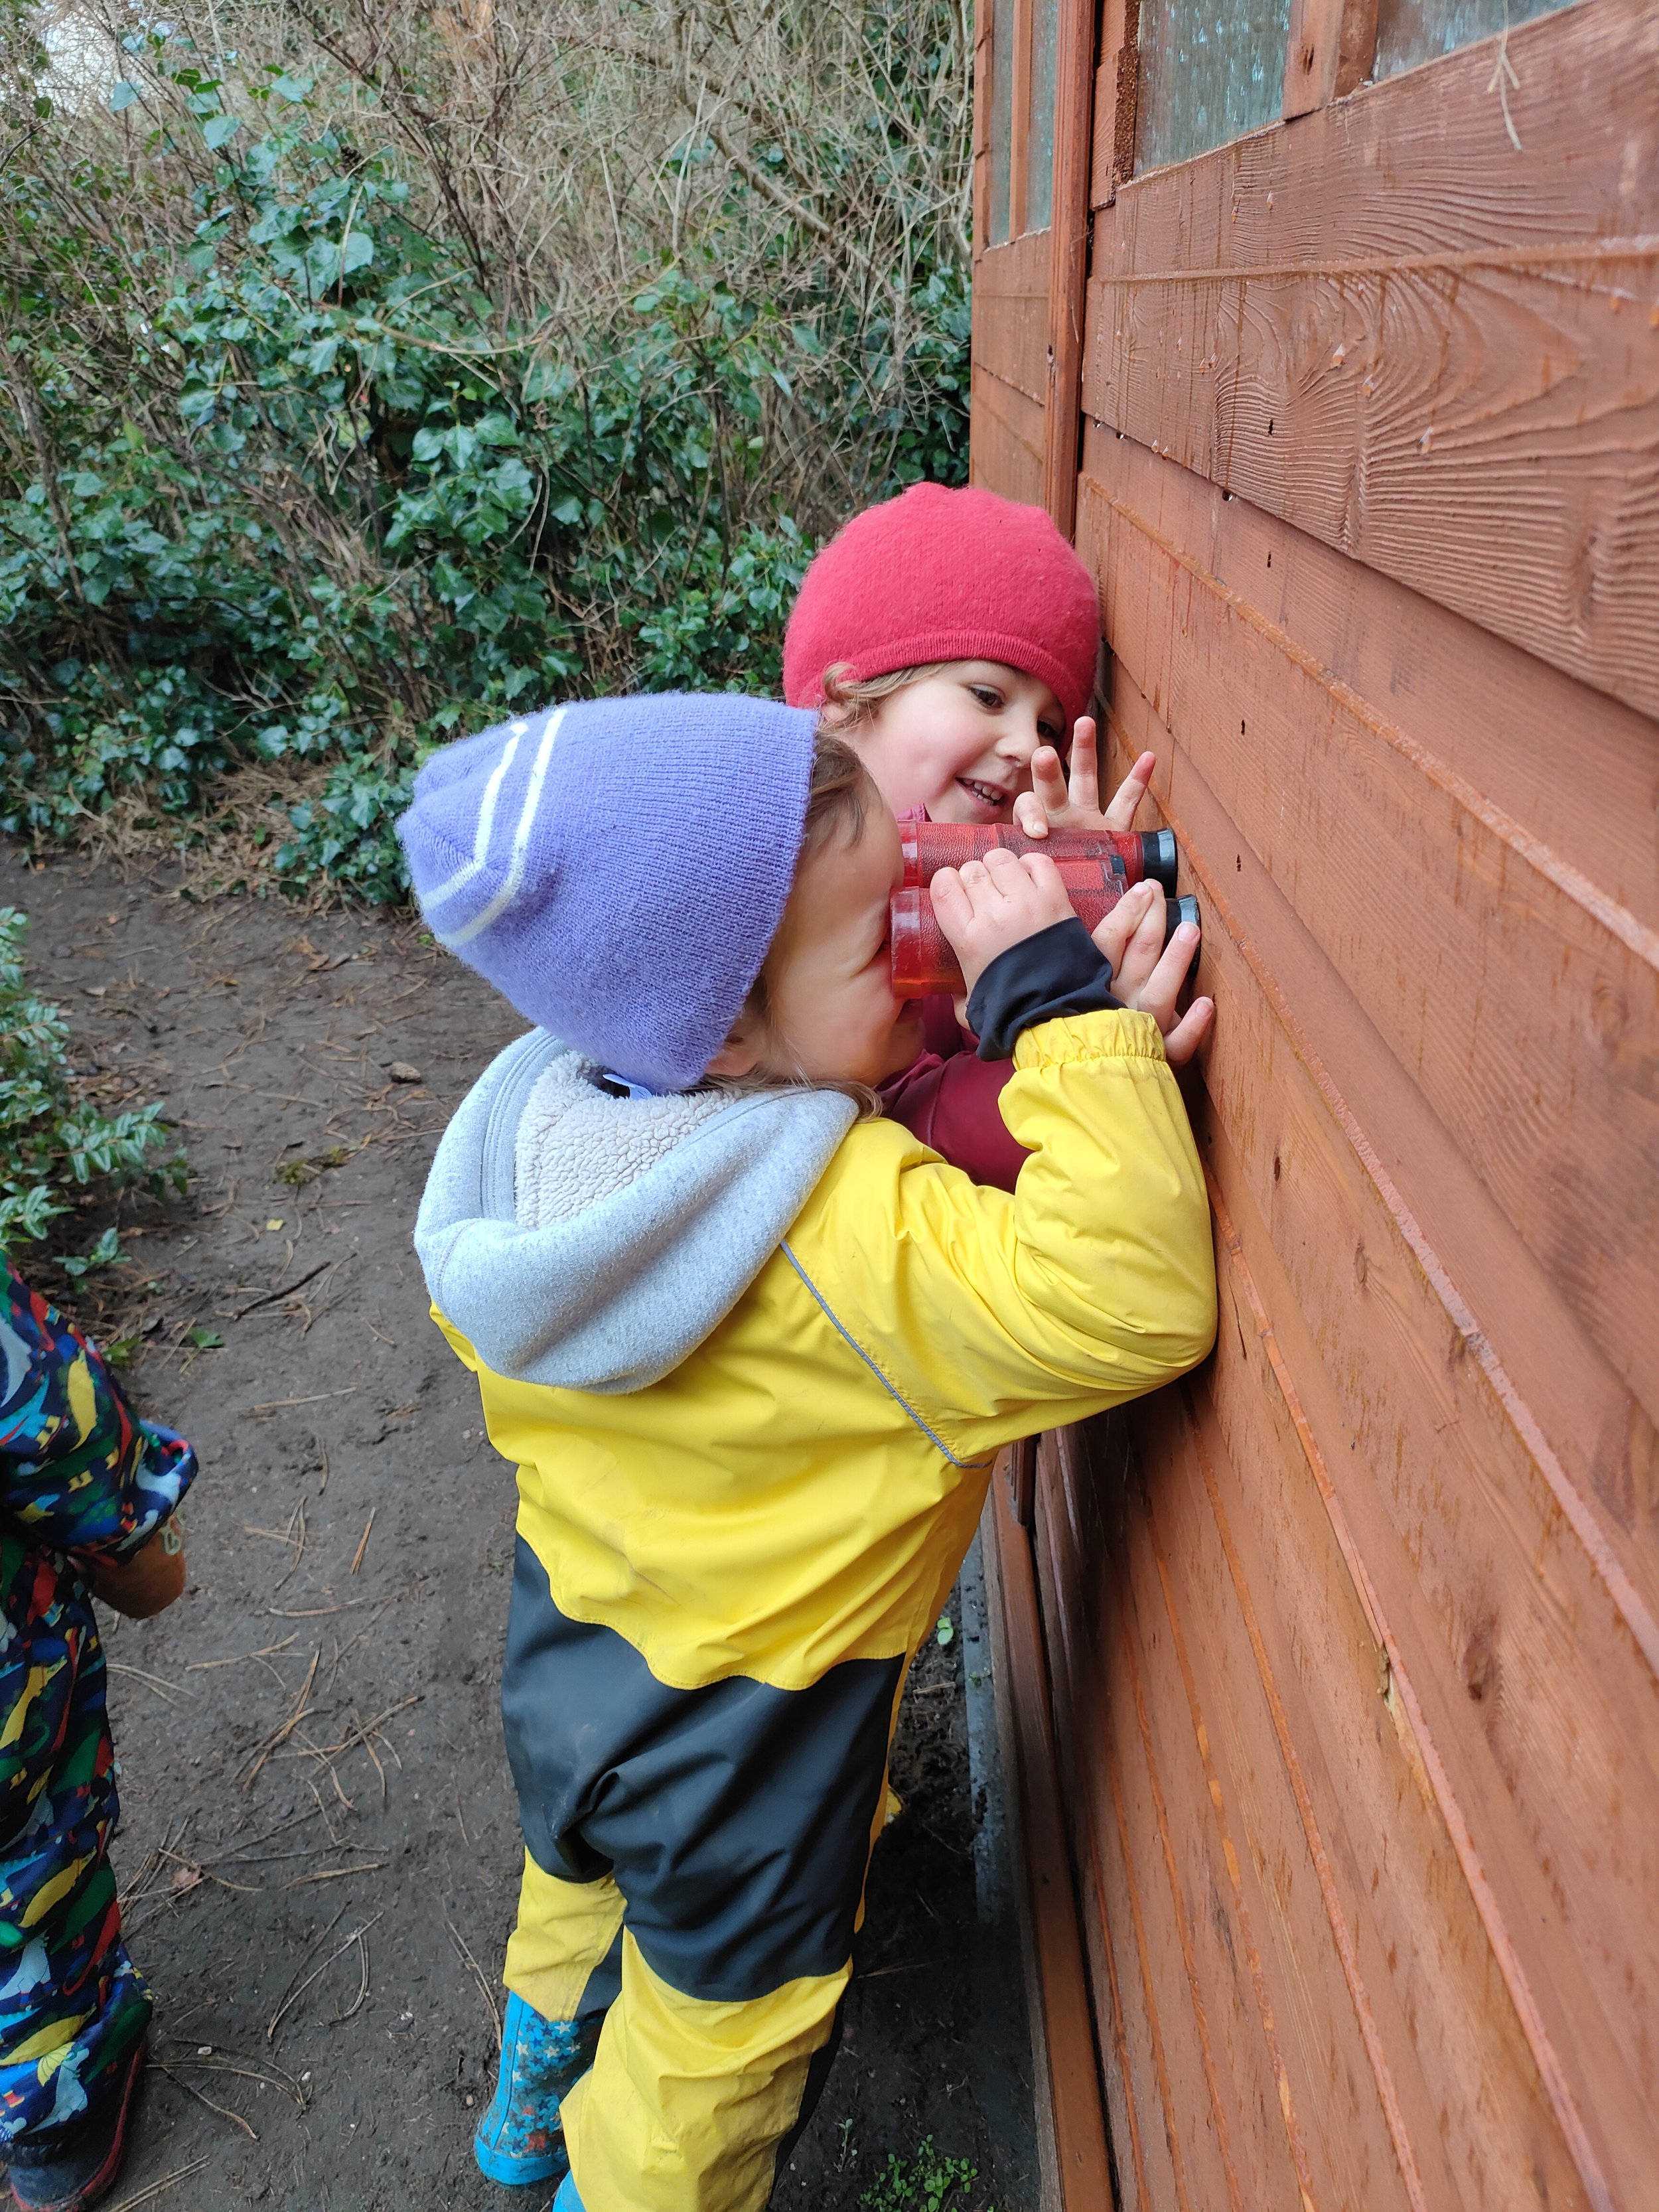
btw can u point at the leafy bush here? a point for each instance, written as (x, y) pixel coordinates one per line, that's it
(304, 473)
(53, 1146)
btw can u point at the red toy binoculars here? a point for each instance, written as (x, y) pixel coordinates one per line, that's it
(1133, 853)
(923, 960)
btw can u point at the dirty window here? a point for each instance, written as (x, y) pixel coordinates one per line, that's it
(1002, 119)
(1210, 70)
(1412, 31)
(1040, 146)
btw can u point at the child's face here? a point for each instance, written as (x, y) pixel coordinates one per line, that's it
(833, 1015)
(960, 743)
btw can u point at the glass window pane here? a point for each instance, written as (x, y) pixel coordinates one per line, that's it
(1210, 70)
(1040, 170)
(1412, 31)
(1002, 117)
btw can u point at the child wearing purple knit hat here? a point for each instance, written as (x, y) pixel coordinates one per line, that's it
(753, 1354)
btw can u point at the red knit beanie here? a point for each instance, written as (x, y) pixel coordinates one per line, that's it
(946, 575)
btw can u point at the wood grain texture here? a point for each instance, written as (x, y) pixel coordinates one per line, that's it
(1476, 414)
(1073, 2085)
(1489, 436)
(1015, 17)
(1422, 165)
(1572, 768)
(1004, 443)
(1353, 1640)
(1329, 52)
(1116, 80)
(1011, 313)
(1446, 684)
(1524, 1006)
(1074, 1543)
(1462, 1531)
(984, 20)
(1068, 259)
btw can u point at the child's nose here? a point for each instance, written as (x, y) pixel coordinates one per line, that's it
(1019, 739)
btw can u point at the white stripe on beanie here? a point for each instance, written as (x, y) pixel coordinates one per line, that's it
(464, 875)
(510, 890)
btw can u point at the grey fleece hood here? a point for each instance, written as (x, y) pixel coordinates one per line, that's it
(592, 1242)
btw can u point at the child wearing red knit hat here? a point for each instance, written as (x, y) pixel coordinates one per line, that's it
(955, 636)
(957, 633)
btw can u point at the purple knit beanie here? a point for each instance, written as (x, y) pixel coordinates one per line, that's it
(618, 869)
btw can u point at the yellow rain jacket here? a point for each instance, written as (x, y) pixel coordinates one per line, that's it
(753, 1364)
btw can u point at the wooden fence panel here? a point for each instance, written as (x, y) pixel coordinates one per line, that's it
(1353, 1640)
(1477, 417)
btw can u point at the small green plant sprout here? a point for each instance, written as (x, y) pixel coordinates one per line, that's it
(104, 1253)
(945, 1631)
(55, 1149)
(929, 2182)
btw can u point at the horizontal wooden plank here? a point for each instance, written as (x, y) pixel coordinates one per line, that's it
(1531, 1652)
(1489, 436)
(1474, 413)
(1523, 1004)
(1004, 442)
(1073, 2084)
(1252, 2102)
(1313, 1864)
(1080, 1698)
(1422, 164)
(1598, 1431)
(1160, 2171)
(1011, 313)
(1201, 2156)
(1572, 768)
(1348, 1846)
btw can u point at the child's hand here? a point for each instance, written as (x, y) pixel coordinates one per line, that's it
(987, 905)
(1051, 804)
(1148, 975)
(146, 1583)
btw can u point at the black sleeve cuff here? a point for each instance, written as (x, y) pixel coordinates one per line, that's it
(1059, 971)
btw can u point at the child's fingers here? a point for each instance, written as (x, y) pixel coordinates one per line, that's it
(1049, 783)
(1120, 814)
(1113, 935)
(1143, 951)
(1190, 1032)
(1084, 787)
(1030, 815)
(1040, 887)
(1163, 987)
(952, 902)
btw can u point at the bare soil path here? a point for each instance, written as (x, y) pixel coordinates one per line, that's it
(319, 1848)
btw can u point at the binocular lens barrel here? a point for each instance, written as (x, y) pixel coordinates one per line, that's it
(1136, 854)
(925, 964)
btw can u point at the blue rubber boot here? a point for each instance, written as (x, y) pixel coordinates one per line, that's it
(519, 2140)
(567, 2200)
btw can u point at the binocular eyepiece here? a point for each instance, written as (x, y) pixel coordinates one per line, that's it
(1096, 867)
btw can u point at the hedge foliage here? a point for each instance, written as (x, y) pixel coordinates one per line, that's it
(288, 483)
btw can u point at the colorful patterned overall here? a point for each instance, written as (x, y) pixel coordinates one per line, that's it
(78, 1471)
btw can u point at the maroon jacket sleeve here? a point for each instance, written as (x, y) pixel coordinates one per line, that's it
(949, 1099)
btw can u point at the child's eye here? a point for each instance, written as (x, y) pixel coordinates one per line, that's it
(987, 696)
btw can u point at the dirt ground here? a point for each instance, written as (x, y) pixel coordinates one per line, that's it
(320, 1849)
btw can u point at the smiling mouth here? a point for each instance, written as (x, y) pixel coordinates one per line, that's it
(988, 794)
